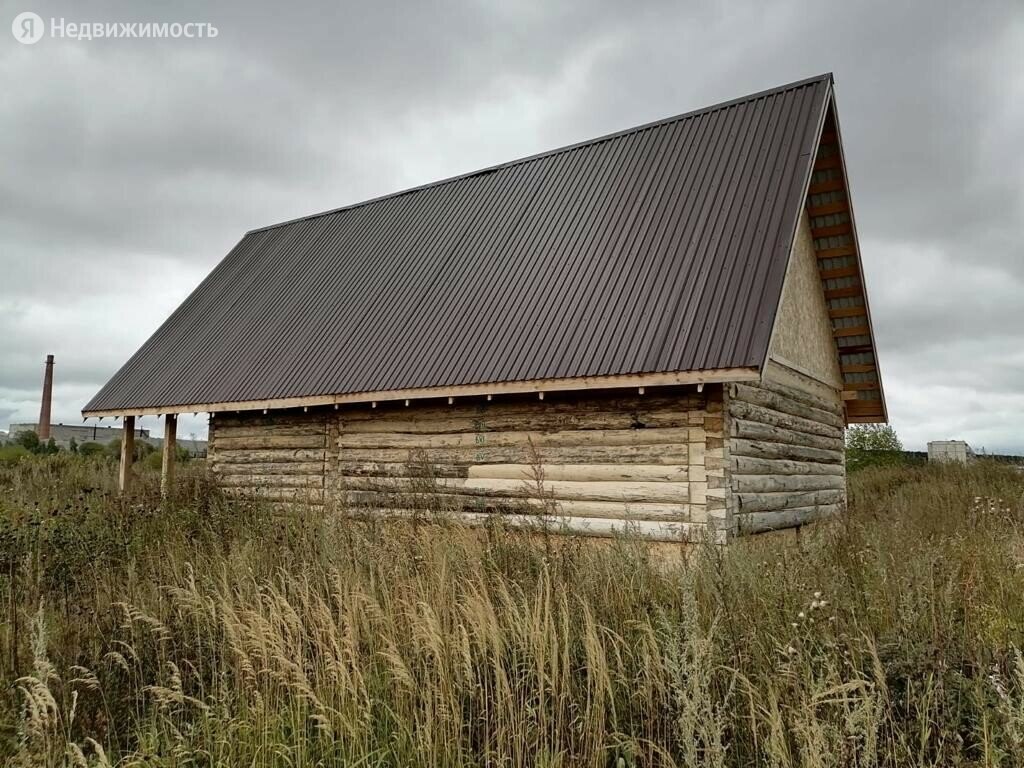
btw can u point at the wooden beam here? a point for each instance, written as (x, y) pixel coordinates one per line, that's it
(859, 368)
(857, 330)
(831, 230)
(864, 407)
(583, 383)
(832, 185)
(860, 385)
(861, 411)
(831, 274)
(127, 453)
(844, 293)
(846, 312)
(831, 161)
(852, 349)
(761, 522)
(656, 530)
(876, 417)
(865, 411)
(828, 209)
(831, 253)
(170, 449)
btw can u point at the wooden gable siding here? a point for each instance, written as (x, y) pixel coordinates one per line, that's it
(802, 334)
(652, 462)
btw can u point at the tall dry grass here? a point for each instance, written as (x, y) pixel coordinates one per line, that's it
(209, 632)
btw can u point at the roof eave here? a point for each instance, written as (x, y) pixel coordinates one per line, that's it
(579, 384)
(860, 264)
(829, 107)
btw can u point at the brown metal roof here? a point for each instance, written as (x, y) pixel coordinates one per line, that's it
(657, 249)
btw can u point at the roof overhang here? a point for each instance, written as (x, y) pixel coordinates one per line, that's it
(834, 232)
(585, 383)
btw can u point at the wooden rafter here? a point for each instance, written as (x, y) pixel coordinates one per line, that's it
(863, 400)
(831, 231)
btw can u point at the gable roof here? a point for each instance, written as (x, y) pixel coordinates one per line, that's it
(656, 250)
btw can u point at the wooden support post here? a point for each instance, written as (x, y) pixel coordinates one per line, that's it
(170, 454)
(127, 453)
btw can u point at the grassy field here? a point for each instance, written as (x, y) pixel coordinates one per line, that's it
(206, 632)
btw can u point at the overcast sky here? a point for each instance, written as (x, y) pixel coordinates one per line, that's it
(128, 168)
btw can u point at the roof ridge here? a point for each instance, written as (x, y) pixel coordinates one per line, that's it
(557, 150)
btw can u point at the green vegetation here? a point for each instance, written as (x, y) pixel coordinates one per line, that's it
(12, 453)
(204, 631)
(30, 441)
(23, 445)
(27, 444)
(872, 445)
(141, 450)
(153, 459)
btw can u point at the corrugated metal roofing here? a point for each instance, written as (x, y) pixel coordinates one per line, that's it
(657, 249)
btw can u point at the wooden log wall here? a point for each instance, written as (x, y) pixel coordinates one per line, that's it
(279, 457)
(594, 464)
(784, 452)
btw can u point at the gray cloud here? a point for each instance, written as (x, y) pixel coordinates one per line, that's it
(130, 167)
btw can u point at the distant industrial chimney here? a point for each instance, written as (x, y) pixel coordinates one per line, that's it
(44, 409)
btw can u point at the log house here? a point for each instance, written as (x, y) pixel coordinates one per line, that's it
(664, 330)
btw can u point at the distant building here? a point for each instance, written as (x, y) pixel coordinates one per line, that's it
(949, 450)
(195, 448)
(63, 434)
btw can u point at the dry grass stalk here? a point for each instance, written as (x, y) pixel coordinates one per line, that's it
(888, 638)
